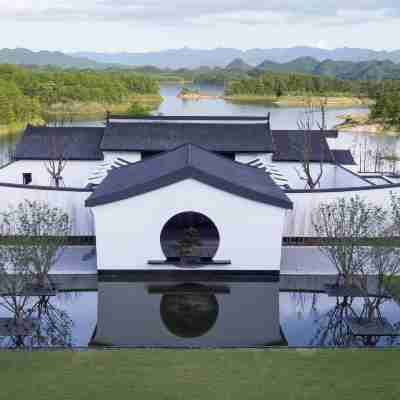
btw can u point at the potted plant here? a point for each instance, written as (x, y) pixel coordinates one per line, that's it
(189, 246)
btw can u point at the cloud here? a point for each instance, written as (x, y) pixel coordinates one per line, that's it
(155, 12)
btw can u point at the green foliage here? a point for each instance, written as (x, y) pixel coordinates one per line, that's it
(277, 84)
(387, 105)
(25, 93)
(40, 233)
(346, 223)
(138, 110)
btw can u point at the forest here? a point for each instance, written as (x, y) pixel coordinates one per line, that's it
(278, 84)
(26, 93)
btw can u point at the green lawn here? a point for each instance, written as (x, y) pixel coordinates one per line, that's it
(197, 374)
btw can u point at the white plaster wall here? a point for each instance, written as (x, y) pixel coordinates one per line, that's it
(299, 220)
(132, 156)
(128, 231)
(72, 202)
(75, 174)
(129, 315)
(245, 158)
(332, 177)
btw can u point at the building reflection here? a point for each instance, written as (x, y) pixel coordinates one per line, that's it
(187, 314)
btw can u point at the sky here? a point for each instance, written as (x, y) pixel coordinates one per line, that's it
(151, 25)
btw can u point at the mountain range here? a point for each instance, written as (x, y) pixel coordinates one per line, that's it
(220, 57)
(364, 70)
(27, 57)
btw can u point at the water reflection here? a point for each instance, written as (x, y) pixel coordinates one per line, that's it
(173, 314)
(223, 313)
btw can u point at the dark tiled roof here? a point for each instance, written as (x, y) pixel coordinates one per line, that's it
(343, 157)
(186, 162)
(74, 143)
(165, 136)
(290, 146)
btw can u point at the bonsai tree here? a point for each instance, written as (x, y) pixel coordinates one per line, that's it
(190, 242)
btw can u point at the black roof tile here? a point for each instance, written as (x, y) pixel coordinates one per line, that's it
(188, 161)
(290, 146)
(343, 157)
(74, 143)
(165, 136)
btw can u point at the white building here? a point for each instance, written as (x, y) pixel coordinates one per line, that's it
(140, 184)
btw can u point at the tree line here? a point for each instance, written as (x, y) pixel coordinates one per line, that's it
(278, 84)
(25, 93)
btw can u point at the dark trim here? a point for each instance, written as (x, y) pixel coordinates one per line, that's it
(323, 241)
(188, 172)
(199, 264)
(37, 187)
(209, 289)
(69, 240)
(198, 275)
(344, 189)
(66, 159)
(189, 118)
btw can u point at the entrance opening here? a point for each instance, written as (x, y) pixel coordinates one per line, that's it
(189, 235)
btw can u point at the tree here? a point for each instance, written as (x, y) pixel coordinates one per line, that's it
(38, 235)
(305, 147)
(55, 165)
(359, 239)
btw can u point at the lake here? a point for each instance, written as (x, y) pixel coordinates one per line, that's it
(281, 118)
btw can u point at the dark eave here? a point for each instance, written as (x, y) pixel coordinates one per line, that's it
(189, 162)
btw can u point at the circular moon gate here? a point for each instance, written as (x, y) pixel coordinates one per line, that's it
(190, 312)
(174, 231)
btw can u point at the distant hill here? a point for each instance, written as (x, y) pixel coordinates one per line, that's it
(21, 56)
(220, 57)
(365, 70)
(238, 65)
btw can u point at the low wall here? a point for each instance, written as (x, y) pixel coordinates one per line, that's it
(69, 200)
(299, 220)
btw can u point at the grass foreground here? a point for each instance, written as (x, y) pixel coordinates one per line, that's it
(201, 374)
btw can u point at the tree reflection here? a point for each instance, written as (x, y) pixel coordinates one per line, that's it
(333, 327)
(39, 323)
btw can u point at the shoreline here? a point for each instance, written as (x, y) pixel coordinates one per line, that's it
(300, 101)
(82, 111)
(360, 123)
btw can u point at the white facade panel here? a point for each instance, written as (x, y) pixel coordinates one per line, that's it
(128, 231)
(75, 174)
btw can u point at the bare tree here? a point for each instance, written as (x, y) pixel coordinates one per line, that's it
(305, 148)
(57, 161)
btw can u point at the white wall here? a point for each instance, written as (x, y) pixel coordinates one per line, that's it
(299, 220)
(332, 177)
(132, 156)
(75, 173)
(72, 202)
(128, 231)
(129, 315)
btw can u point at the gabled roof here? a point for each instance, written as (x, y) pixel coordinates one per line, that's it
(185, 162)
(163, 135)
(291, 145)
(343, 157)
(72, 143)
